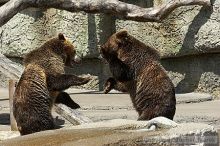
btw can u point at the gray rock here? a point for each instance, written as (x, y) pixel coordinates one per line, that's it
(8, 70)
(116, 133)
(193, 97)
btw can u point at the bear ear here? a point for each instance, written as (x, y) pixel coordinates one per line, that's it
(61, 36)
(122, 34)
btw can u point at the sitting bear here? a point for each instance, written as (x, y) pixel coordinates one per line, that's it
(42, 83)
(136, 69)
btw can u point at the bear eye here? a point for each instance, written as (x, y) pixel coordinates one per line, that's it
(114, 49)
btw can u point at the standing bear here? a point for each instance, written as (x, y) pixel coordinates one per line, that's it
(42, 83)
(136, 69)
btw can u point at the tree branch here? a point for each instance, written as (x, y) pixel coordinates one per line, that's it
(11, 8)
(113, 7)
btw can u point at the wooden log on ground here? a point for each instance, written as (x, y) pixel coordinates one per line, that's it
(12, 85)
(72, 115)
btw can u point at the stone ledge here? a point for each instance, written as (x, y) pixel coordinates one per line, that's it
(105, 133)
(193, 97)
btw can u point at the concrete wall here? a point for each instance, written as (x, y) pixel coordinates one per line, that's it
(188, 40)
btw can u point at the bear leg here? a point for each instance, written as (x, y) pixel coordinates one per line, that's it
(63, 82)
(64, 98)
(150, 113)
(109, 85)
(112, 83)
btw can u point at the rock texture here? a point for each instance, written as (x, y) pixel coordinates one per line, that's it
(187, 31)
(114, 133)
(195, 73)
(32, 27)
(8, 70)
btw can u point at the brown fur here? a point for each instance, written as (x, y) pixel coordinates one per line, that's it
(42, 83)
(136, 69)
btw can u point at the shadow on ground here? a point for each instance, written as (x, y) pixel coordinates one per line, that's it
(4, 119)
(95, 92)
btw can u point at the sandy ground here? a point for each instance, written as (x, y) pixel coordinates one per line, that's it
(98, 106)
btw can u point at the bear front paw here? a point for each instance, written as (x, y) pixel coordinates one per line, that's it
(86, 78)
(109, 85)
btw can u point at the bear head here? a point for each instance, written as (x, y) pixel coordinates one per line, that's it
(67, 49)
(116, 44)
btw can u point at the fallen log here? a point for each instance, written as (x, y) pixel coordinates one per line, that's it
(12, 86)
(72, 115)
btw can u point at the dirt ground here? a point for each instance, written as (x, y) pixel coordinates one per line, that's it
(98, 106)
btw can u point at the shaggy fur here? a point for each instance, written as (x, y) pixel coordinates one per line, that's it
(42, 83)
(136, 69)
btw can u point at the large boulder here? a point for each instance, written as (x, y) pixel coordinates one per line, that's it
(124, 132)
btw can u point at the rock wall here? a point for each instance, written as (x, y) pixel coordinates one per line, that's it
(195, 73)
(30, 28)
(188, 40)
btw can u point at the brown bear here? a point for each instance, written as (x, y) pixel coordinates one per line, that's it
(42, 83)
(136, 69)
